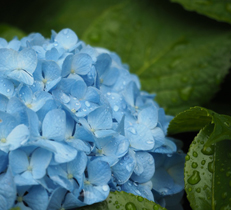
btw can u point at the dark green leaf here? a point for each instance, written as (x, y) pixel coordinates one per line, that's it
(8, 32)
(217, 9)
(180, 56)
(196, 118)
(207, 173)
(73, 14)
(122, 200)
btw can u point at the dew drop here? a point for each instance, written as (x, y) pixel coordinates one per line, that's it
(108, 93)
(140, 199)
(210, 167)
(132, 130)
(194, 165)
(203, 162)
(105, 188)
(189, 189)
(87, 104)
(195, 178)
(130, 206)
(187, 157)
(117, 207)
(163, 191)
(65, 31)
(155, 207)
(8, 90)
(208, 150)
(198, 190)
(195, 154)
(150, 141)
(115, 108)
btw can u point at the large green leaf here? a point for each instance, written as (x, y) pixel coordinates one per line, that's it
(196, 118)
(218, 9)
(74, 14)
(122, 200)
(207, 173)
(8, 32)
(180, 56)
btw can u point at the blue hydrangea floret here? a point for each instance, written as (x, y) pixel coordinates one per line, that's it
(74, 125)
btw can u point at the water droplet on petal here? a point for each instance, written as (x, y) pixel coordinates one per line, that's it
(115, 108)
(65, 31)
(132, 130)
(105, 188)
(87, 104)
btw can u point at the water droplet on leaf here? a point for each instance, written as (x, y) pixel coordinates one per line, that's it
(195, 178)
(130, 206)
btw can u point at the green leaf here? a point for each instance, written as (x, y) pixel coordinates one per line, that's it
(217, 9)
(122, 200)
(15, 208)
(180, 56)
(73, 14)
(196, 118)
(207, 173)
(8, 32)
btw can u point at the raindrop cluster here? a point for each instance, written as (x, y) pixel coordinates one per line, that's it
(74, 125)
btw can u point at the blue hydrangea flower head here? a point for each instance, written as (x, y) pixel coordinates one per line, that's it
(75, 125)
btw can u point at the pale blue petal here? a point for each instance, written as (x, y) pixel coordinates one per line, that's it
(18, 136)
(27, 60)
(3, 102)
(83, 134)
(95, 194)
(51, 70)
(148, 165)
(81, 63)
(3, 203)
(56, 199)
(148, 116)
(51, 84)
(8, 188)
(4, 161)
(66, 67)
(130, 93)
(116, 147)
(6, 87)
(104, 133)
(79, 89)
(71, 201)
(25, 178)
(40, 160)
(109, 77)
(21, 76)
(140, 190)
(62, 152)
(25, 94)
(78, 165)
(92, 95)
(140, 137)
(14, 44)
(100, 118)
(79, 145)
(59, 176)
(103, 63)
(162, 182)
(52, 54)
(99, 172)
(3, 43)
(123, 170)
(8, 123)
(54, 125)
(39, 51)
(37, 198)
(8, 59)
(18, 161)
(66, 38)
